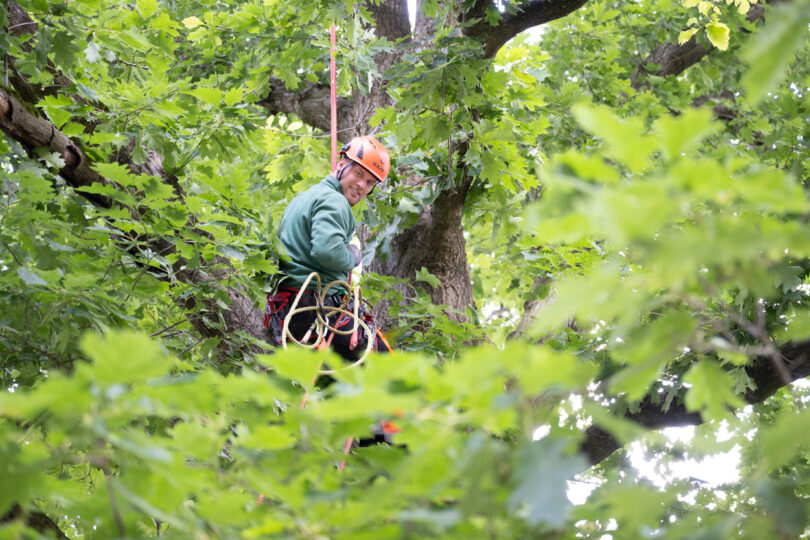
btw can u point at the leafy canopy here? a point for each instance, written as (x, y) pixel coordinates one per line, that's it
(670, 247)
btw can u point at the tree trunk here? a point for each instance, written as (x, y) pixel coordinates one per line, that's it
(435, 242)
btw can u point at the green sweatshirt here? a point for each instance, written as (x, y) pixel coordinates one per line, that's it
(315, 230)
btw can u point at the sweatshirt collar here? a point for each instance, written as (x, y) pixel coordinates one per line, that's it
(332, 182)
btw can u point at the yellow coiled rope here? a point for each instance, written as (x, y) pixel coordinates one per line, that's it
(322, 314)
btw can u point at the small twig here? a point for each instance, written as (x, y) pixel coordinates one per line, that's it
(13, 255)
(130, 64)
(758, 331)
(193, 153)
(768, 349)
(119, 522)
(20, 24)
(107, 271)
(184, 351)
(792, 148)
(137, 279)
(167, 328)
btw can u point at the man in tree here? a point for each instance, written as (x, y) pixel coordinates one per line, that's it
(316, 230)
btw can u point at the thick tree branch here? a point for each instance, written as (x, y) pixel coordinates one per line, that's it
(34, 519)
(674, 59)
(599, 444)
(531, 308)
(21, 24)
(311, 104)
(37, 134)
(529, 14)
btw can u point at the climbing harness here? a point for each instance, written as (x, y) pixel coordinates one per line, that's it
(321, 328)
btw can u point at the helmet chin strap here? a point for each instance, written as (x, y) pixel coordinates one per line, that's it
(339, 172)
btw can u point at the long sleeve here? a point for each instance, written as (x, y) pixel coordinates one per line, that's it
(329, 238)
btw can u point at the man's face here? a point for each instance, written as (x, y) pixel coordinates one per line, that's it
(356, 182)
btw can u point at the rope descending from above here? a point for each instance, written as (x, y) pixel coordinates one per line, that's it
(321, 324)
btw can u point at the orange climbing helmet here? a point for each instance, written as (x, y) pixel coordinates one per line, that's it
(368, 152)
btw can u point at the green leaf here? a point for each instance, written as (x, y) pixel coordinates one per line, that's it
(787, 277)
(206, 94)
(64, 50)
(72, 129)
(409, 206)
(686, 35)
(586, 167)
(635, 508)
(782, 441)
(769, 52)
(260, 263)
(538, 369)
(147, 8)
(788, 510)
(55, 107)
(540, 477)
(115, 172)
(435, 127)
(121, 357)
(624, 138)
(405, 129)
(92, 53)
(647, 349)
(298, 364)
(492, 168)
(192, 22)
(231, 252)
(234, 95)
(796, 325)
(29, 277)
(427, 277)
(264, 437)
(177, 214)
(680, 134)
(135, 39)
(711, 391)
(718, 34)
(194, 439)
(103, 137)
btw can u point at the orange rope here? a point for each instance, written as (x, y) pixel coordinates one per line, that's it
(333, 97)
